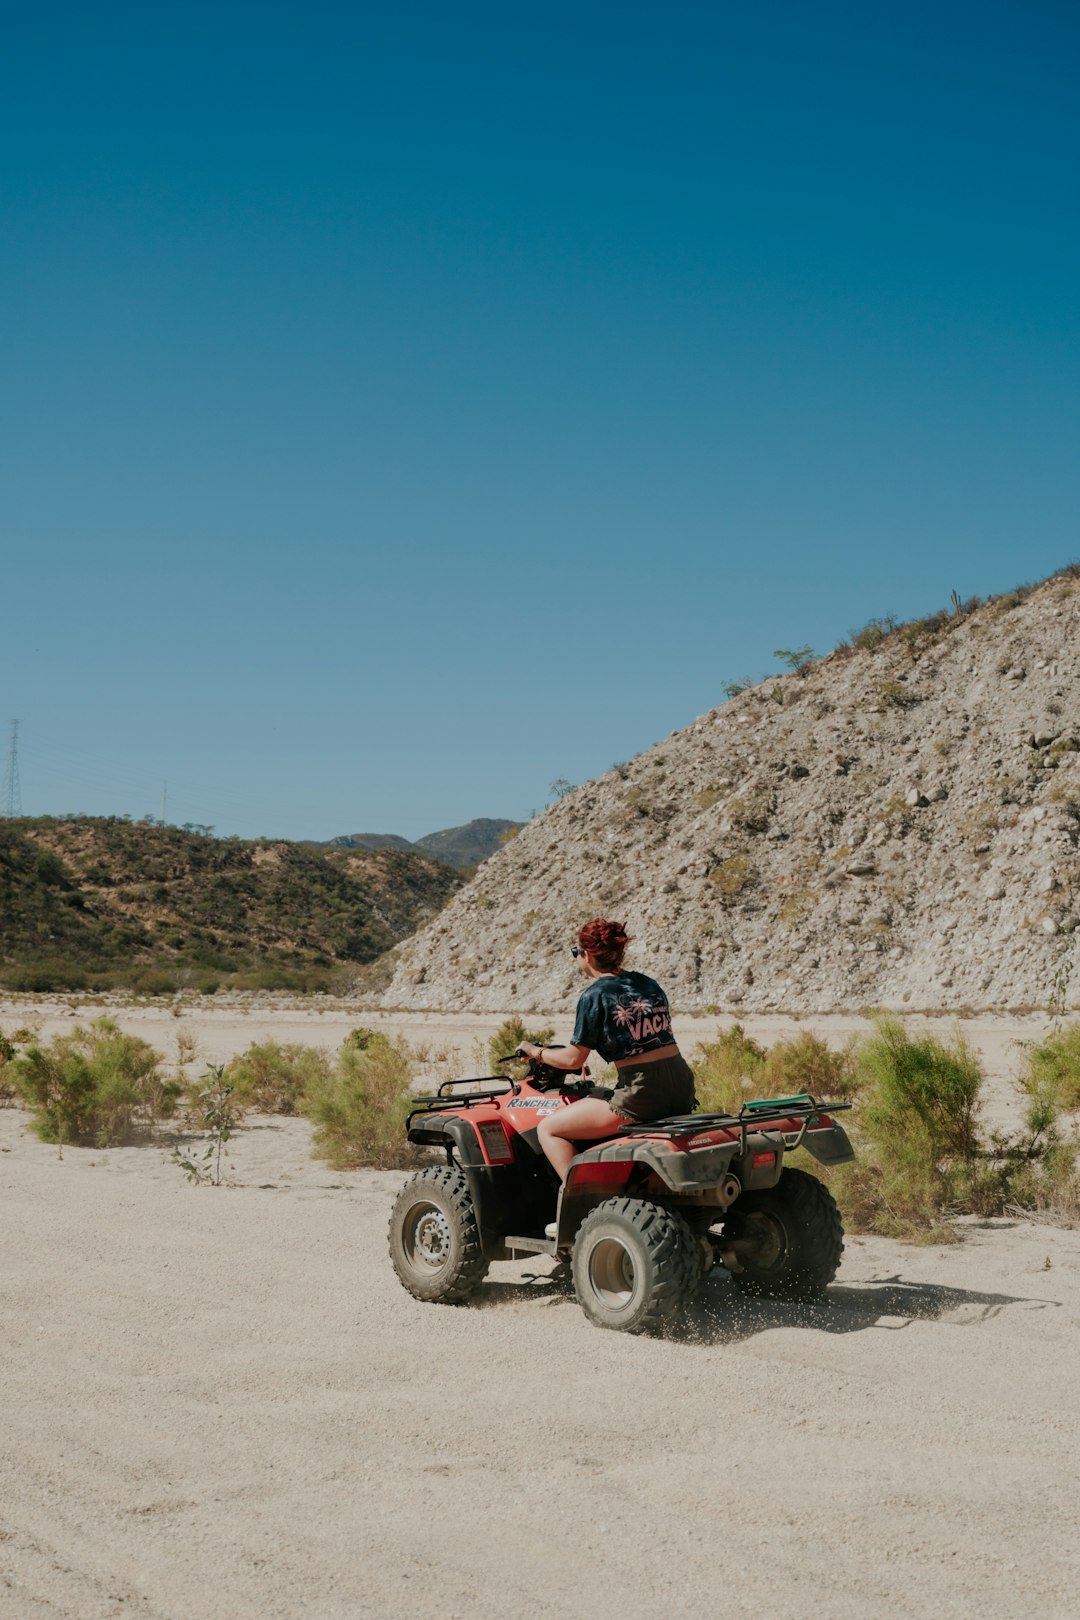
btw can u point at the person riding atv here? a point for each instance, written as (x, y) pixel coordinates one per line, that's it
(625, 1018)
(641, 1211)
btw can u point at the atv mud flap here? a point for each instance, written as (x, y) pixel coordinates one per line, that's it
(829, 1146)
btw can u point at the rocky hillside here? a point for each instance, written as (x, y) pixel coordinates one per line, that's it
(895, 825)
(100, 901)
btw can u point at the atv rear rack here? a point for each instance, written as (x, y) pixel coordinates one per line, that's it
(752, 1116)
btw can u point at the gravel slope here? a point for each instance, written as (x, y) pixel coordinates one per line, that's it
(220, 1403)
(897, 827)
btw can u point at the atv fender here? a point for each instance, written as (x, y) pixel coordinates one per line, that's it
(459, 1136)
(829, 1146)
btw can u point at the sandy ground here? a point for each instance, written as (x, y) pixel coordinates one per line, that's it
(219, 1402)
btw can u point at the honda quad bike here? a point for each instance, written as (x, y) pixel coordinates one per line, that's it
(643, 1213)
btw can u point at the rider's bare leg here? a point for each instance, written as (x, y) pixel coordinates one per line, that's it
(581, 1121)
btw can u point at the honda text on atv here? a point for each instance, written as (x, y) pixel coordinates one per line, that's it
(643, 1213)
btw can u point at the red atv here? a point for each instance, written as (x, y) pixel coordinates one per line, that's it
(643, 1213)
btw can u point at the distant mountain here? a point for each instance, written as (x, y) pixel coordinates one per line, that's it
(457, 846)
(368, 841)
(471, 844)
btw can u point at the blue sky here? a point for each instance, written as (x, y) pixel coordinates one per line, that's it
(405, 406)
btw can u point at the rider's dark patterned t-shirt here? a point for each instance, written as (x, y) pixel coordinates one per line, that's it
(621, 1016)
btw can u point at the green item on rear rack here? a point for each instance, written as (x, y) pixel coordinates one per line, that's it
(772, 1103)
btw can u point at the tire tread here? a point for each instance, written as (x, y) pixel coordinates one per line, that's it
(820, 1230)
(458, 1285)
(673, 1252)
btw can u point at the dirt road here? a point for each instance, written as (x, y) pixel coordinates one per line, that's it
(219, 1403)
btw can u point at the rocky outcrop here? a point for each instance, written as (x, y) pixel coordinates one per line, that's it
(897, 825)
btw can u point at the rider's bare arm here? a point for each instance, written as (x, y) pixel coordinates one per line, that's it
(557, 1057)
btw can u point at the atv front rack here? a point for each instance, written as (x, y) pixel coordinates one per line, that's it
(752, 1116)
(466, 1099)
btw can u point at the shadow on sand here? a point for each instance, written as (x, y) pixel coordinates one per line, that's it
(720, 1314)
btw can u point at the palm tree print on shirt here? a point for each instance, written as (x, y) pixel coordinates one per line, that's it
(643, 1018)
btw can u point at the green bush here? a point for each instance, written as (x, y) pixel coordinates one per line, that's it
(734, 1069)
(359, 1107)
(915, 1135)
(921, 1158)
(1053, 1065)
(94, 1087)
(46, 973)
(362, 1038)
(509, 1036)
(270, 1078)
(1038, 1174)
(730, 877)
(726, 1070)
(807, 1063)
(7, 1084)
(153, 981)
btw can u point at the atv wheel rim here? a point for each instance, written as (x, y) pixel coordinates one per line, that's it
(770, 1240)
(612, 1274)
(427, 1236)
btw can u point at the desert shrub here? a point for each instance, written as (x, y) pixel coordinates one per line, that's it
(920, 1158)
(359, 1107)
(731, 876)
(510, 1035)
(751, 814)
(894, 694)
(872, 633)
(915, 1132)
(726, 1070)
(271, 1078)
(46, 973)
(7, 1084)
(96, 1086)
(920, 1155)
(362, 1038)
(735, 1068)
(807, 1063)
(797, 907)
(153, 981)
(1053, 1066)
(1037, 1173)
(797, 659)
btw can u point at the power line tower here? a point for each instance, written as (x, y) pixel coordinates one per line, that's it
(12, 788)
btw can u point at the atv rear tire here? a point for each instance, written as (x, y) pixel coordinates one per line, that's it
(800, 1234)
(434, 1238)
(635, 1265)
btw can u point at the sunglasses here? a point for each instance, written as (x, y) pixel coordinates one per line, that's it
(577, 950)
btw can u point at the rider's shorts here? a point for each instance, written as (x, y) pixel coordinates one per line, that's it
(654, 1090)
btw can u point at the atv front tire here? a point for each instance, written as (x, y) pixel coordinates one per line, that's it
(434, 1238)
(635, 1265)
(797, 1238)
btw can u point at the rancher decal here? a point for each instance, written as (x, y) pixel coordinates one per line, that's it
(544, 1104)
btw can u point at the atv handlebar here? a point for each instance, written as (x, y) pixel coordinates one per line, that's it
(545, 1077)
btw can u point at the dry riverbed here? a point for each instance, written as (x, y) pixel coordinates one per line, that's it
(218, 1402)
